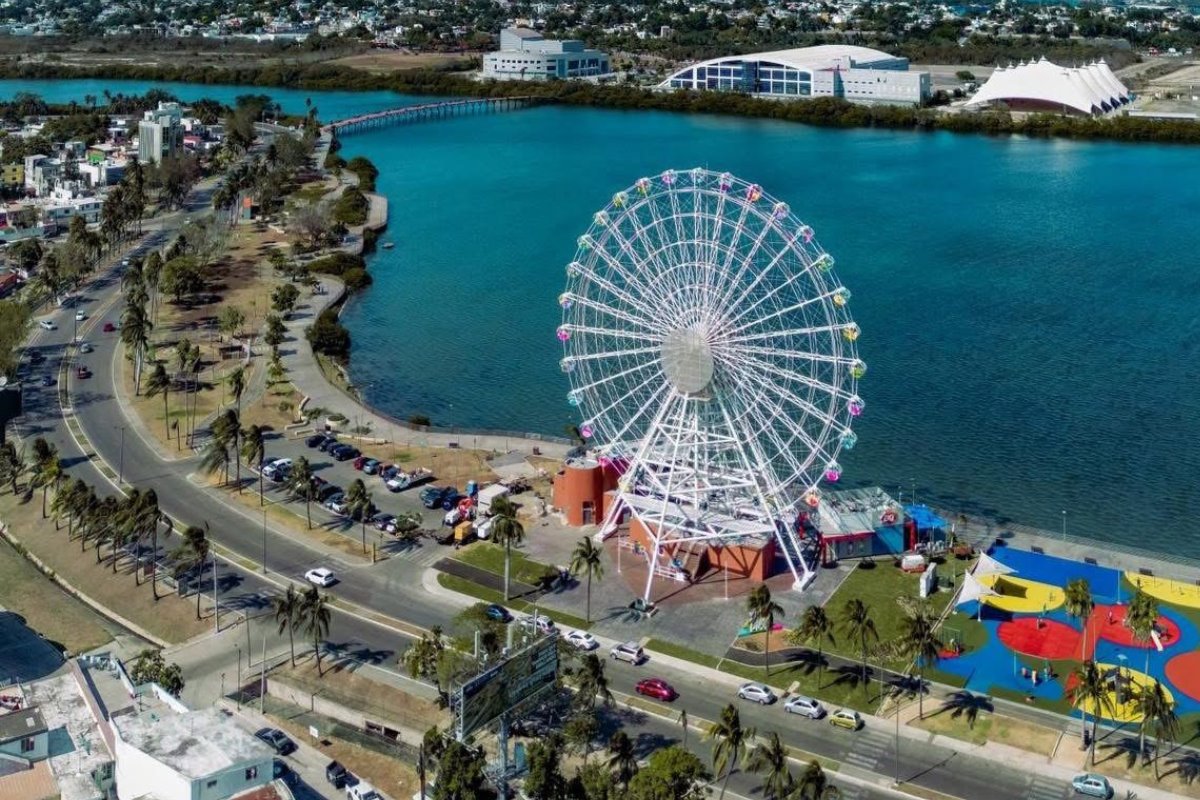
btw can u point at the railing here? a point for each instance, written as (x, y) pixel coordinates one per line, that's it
(428, 111)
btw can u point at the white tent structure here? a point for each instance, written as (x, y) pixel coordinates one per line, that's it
(1043, 85)
(972, 589)
(986, 565)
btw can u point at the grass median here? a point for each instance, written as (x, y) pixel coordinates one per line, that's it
(463, 586)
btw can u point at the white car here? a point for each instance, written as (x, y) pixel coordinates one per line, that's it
(275, 470)
(541, 623)
(756, 693)
(85, 347)
(628, 651)
(80, 316)
(47, 324)
(804, 706)
(320, 577)
(583, 640)
(337, 503)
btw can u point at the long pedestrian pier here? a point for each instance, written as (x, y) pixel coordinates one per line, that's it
(428, 111)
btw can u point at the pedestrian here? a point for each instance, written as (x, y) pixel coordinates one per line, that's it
(1110, 617)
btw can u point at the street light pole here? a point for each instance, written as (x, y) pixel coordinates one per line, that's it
(264, 563)
(237, 647)
(1064, 525)
(121, 468)
(216, 602)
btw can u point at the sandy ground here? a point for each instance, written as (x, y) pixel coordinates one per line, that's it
(393, 60)
(943, 76)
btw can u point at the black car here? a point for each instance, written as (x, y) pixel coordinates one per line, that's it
(435, 495)
(283, 772)
(346, 452)
(277, 739)
(47, 380)
(336, 774)
(327, 491)
(325, 446)
(36, 357)
(315, 440)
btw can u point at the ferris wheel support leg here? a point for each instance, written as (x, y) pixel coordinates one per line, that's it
(650, 574)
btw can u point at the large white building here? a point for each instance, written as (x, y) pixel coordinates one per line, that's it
(859, 74)
(525, 55)
(160, 133)
(1044, 86)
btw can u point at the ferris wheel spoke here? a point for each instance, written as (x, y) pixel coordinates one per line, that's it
(746, 355)
(792, 355)
(616, 376)
(816, 448)
(734, 288)
(608, 286)
(636, 351)
(612, 311)
(786, 283)
(613, 333)
(785, 333)
(762, 426)
(663, 388)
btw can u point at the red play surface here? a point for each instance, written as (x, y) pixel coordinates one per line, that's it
(1053, 640)
(1183, 671)
(1112, 628)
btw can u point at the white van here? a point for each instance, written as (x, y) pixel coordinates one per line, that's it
(362, 791)
(47, 324)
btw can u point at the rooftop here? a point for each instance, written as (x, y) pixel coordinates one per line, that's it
(852, 511)
(76, 745)
(194, 744)
(19, 724)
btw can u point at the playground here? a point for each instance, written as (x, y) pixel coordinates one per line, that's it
(1032, 644)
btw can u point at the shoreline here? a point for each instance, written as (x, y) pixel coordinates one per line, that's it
(817, 112)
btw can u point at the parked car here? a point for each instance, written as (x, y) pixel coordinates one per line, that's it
(336, 503)
(47, 324)
(345, 453)
(804, 706)
(498, 613)
(329, 443)
(336, 774)
(109, 327)
(1092, 785)
(656, 688)
(432, 496)
(371, 466)
(80, 316)
(320, 576)
(327, 490)
(540, 623)
(846, 718)
(360, 462)
(582, 639)
(382, 520)
(277, 739)
(388, 471)
(756, 693)
(313, 441)
(363, 791)
(36, 357)
(82, 372)
(85, 347)
(47, 380)
(277, 469)
(628, 651)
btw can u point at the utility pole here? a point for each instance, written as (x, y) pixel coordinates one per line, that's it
(262, 686)
(216, 606)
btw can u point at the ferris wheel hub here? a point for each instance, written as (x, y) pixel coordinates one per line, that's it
(687, 360)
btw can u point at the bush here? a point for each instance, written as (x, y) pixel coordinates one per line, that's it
(352, 207)
(328, 337)
(356, 279)
(365, 171)
(419, 419)
(336, 264)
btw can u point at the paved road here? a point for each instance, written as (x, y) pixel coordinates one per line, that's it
(394, 587)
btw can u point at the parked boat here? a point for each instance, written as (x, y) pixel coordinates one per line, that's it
(388, 245)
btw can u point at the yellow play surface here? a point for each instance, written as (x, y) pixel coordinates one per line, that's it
(1128, 710)
(1019, 596)
(1167, 590)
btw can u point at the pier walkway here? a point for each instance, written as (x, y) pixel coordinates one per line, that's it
(426, 111)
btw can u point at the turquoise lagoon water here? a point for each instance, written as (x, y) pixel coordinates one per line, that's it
(1030, 309)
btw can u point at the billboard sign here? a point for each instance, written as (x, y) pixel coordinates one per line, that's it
(524, 674)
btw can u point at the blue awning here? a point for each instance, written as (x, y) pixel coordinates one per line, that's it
(924, 517)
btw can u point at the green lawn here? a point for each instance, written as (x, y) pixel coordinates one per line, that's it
(490, 557)
(463, 586)
(679, 651)
(833, 689)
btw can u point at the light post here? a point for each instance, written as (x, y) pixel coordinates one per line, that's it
(121, 467)
(237, 647)
(264, 560)
(216, 602)
(1064, 525)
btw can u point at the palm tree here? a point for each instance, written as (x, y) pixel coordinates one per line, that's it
(730, 740)
(622, 758)
(358, 503)
(12, 464)
(423, 658)
(1158, 712)
(1142, 617)
(859, 628)
(764, 611)
(135, 334)
(591, 683)
(74, 504)
(231, 430)
(47, 469)
(300, 485)
(287, 615)
(314, 611)
(771, 759)
(816, 628)
(1079, 604)
(159, 382)
(586, 560)
(254, 450)
(192, 555)
(237, 386)
(919, 642)
(1091, 688)
(216, 455)
(507, 531)
(144, 519)
(814, 785)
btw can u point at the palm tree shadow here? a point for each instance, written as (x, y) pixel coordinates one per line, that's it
(966, 704)
(1121, 746)
(1186, 766)
(852, 675)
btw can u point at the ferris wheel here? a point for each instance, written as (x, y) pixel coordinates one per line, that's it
(710, 349)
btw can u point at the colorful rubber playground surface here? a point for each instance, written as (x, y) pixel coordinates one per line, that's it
(1028, 634)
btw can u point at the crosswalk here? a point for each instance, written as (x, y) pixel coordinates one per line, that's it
(847, 791)
(1045, 788)
(870, 749)
(427, 553)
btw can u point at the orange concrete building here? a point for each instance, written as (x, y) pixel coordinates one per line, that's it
(580, 490)
(747, 556)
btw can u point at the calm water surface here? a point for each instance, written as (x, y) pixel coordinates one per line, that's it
(1029, 308)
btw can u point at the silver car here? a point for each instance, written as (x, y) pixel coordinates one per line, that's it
(756, 693)
(628, 651)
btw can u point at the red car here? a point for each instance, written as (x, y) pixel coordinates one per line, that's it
(657, 688)
(109, 327)
(83, 372)
(358, 462)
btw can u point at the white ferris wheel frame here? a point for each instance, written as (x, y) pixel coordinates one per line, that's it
(709, 347)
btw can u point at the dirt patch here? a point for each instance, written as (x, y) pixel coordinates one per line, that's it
(346, 686)
(382, 61)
